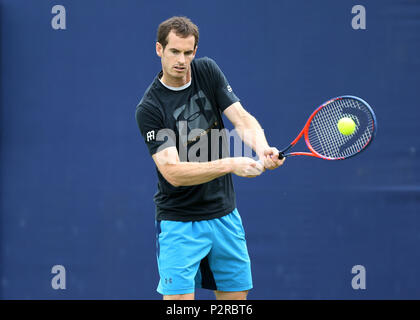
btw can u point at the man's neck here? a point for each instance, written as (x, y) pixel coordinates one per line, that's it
(176, 82)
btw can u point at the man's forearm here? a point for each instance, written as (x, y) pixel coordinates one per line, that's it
(253, 135)
(193, 173)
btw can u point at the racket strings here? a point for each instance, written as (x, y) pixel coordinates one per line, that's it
(324, 136)
(329, 139)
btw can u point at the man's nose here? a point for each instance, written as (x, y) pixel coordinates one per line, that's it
(181, 58)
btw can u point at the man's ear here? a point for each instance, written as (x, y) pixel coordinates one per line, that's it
(159, 49)
(195, 51)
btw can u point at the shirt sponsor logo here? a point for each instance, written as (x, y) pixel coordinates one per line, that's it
(150, 135)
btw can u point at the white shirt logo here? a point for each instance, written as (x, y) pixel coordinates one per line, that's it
(150, 135)
(229, 88)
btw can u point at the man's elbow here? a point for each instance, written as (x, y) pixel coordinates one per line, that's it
(174, 182)
(172, 178)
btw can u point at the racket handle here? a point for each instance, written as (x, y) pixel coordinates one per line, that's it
(281, 157)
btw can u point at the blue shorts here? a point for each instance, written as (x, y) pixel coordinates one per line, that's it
(210, 254)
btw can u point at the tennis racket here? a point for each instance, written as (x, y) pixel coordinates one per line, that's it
(323, 137)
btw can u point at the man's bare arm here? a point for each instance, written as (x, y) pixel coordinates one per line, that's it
(251, 132)
(179, 173)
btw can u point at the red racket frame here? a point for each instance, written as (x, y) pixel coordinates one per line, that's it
(305, 130)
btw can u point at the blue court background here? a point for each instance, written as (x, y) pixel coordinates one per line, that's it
(77, 181)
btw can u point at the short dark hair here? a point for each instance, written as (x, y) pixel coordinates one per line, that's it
(182, 26)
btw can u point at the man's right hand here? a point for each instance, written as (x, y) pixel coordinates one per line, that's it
(246, 167)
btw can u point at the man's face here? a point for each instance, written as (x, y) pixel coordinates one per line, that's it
(176, 58)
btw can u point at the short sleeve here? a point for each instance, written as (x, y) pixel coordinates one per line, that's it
(223, 91)
(153, 130)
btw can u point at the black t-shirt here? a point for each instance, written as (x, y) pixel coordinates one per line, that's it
(193, 116)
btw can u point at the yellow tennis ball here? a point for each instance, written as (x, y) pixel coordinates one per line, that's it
(346, 126)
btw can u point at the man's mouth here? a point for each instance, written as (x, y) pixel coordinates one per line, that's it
(179, 68)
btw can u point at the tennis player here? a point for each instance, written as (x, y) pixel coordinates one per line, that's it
(200, 237)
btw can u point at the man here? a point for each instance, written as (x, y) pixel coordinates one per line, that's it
(200, 237)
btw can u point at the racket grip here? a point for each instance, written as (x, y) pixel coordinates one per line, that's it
(281, 156)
